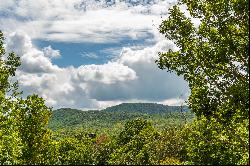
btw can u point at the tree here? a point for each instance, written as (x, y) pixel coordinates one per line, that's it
(8, 65)
(32, 116)
(213, 57)
(10, 144)
(75, 152)
(208, 142)
(132, 128)
(24, 137)
(214, 60)
(136, 144)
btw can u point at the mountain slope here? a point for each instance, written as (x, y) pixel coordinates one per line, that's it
(147, 108)
(107, 118)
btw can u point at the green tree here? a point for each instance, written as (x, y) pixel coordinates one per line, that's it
(24, 137)
(8, 65)
(104, 146)
(210, 142)
(170, 147)
(10, 145)
(136, 144)
(132, 128)
(32, 116)
(212, 57)
(75, 152)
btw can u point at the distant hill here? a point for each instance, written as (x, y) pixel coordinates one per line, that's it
(66, 117)
(146, 108)
(106, 118)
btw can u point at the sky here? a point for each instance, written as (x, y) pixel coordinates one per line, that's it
(91, 54)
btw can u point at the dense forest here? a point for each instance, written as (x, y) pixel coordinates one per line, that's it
(111, 115)
(212, 129)
(111, 120)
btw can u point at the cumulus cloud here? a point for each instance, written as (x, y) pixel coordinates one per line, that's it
(33, 60)
(151, 83)
(109, 73)
(61, 86)
(131, 76)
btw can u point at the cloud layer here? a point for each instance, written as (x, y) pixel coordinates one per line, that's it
(83, 20)
(131, 76)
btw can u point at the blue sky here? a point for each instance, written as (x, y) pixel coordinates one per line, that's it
(85, 53)
(90, 54)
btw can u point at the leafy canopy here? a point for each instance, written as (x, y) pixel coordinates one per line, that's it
(8, 66)
(212, 57)
(24, 136)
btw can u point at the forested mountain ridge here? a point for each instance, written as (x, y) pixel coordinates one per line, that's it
(107, 118)
(148, 108)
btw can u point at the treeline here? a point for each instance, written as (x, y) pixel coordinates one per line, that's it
(107, 118)
(137, 141)
(146, 108)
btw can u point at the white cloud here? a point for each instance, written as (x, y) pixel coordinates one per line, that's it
(33, 60)
(57, 88)
(146, 55)
(132, 76)
(51, 53)
(91, 55)
(109, 73)
(83, 20)
(112, 51)
(151, 83)
(173, 102)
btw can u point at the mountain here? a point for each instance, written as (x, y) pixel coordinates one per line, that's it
(107, 118)
(146, 108)
(67, 117)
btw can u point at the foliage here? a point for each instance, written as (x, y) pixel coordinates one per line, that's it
(170, 161)
(23, 131)
(171, 146)
(65, 119)
(104, 146)
(75, 152)
(10, 143)
(72, 117)
(134, 144)
(209, 142)
(142, 144)
(8, 66)
(213, 57)
(10, 146)
(132, 128)
(32, 117)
